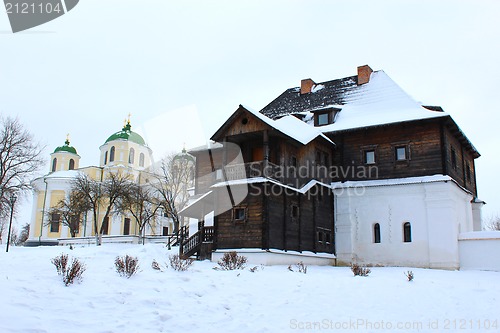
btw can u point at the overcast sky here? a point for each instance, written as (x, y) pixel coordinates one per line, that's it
(180, 68)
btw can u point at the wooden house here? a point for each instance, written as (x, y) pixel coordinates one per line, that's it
(289, 177)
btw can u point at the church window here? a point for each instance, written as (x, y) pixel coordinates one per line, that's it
(141, 160)
(131, 156)
(54, 222)
(71, 164)
(54, 164)
(112, 154)
(376, 233)
(105, 158)
(105, 226)
(407, 232)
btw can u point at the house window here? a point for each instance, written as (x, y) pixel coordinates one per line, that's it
(239, 214)
(105, 226)
(468, 173)
(112, 154)
(54, 164)
(126, 226)
(407, 232)
(322, 119)
(131, 156)
(54, 222)
(105, 158)
(324, 236)
(369, 156)
(141, 160)
(401, 153)
(453, 158)
(71, 164)
(376, 233)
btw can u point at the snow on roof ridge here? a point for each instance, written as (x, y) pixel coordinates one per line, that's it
(292, 127)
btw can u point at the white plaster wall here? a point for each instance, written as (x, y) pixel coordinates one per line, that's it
(435, 211)
(479, 250)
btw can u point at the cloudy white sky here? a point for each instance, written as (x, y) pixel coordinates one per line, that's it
(180, 68)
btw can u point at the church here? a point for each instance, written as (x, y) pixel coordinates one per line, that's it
(124, 151)
(352, 170)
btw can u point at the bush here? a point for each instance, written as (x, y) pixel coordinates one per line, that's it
(127, 266)
(180, 264)
(410, 276)
(231, 261)
(301, 268)
(360, 271)
(156, 266)
(69, 274)
(60, 262)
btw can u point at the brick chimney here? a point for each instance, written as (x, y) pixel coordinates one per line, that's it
(306, 85)
(364, 73)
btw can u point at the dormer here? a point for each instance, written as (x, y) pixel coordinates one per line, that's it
(325, 116)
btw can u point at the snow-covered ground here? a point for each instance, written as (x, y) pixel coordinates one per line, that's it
(272, 299)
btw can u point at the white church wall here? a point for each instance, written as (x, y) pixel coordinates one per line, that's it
(434, 210)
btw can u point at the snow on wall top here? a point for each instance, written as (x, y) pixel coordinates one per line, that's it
(378, 102)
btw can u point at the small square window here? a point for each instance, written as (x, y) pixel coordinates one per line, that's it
(323, 119)
(401, 154)
(370, 156)
(239, 214)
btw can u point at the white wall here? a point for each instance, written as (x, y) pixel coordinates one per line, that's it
(479, 250)
(436, 211)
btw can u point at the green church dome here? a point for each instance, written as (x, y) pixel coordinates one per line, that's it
(127, 134)
(184, 155)
(66, 148)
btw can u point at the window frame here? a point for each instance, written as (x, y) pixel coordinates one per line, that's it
(55, 222)
(377, 239)
(238, 209)
(407, 234)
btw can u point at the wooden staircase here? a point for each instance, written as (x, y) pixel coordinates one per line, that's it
(199, 244)
(176, 239)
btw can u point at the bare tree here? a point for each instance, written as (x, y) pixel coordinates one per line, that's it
(176, 176)
(142, 203)
(20, 159)
(24, 234)
(90, 190)
(71, 211)
(493, 223)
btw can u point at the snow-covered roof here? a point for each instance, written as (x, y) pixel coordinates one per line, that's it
(63, 174)
(302, 190)
(379, 102)
(291, 126)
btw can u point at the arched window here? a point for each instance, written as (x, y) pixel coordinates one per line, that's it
(112, 154)
(71, 164)
(131, 156)
(105, 158)
(376, 233)
(54, 164)
(141, 160)
(407, 232)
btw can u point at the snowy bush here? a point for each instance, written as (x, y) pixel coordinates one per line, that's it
(69, 274)
(156, 266)
(127, 266)
(301, 268)
(231, 261)
(180, 264)
(410, 276)
(360, 271)
(60, 262)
